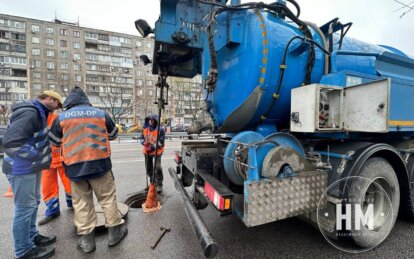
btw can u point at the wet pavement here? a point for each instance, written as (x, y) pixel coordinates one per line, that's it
(289, 238)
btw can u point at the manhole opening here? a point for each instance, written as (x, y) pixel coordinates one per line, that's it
(136, 200)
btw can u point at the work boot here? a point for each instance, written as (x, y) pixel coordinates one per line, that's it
(87, 242)
(39, 252)
(47, 219)
(40, 240)
(159, 188)
(116, 234)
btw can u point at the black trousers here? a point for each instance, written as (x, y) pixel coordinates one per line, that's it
(149, 165)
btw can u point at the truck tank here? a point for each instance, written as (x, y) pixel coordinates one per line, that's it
(249, 72)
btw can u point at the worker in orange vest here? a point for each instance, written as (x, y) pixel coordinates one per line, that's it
(50, 185)
(148, 140)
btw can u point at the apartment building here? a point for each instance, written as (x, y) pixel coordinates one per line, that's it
(38, 55)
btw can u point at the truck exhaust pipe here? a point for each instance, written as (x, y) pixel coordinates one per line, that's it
(209, 246)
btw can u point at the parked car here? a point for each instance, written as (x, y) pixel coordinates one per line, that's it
(178, 128)
(2, 131)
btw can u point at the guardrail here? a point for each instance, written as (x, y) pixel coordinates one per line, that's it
(168, 136)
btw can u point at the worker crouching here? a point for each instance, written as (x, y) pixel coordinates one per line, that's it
(84, 132)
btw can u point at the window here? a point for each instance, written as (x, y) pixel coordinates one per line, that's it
(49, 30)
(64, 54)
(148, 44)
(91, 67)
(4, 72)
(116, 41)
(4, 47)
(90, 78)
(65, 77)
(149, 92)
(63, 32)
(51, 76)
(139, 93)
(35, 40)
(76, 34)
(64, 66)
(139, 43)
(103, 37)
(52, 87)
(139, 73)
(149, 83)
(11, 23)
(78, 78)
(36, 52)
(50, 65)
(139, 82)
(104, 48)
(76, 56)
(91, 35)
(76, 45)
(63, 43)
(126, 51)
(35, 28)
(77, 67)
(50, 42)
(36, 63)
(50, 53)
(37, 75)
(37, 87)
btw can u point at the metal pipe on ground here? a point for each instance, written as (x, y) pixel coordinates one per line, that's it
(209, 246)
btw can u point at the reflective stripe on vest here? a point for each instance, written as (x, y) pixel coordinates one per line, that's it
(151, 137)
(84, 139)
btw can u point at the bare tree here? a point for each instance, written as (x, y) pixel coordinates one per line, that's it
(196, 96)
(405, 8)
(5, 106)
(187, 98)
(115, 95)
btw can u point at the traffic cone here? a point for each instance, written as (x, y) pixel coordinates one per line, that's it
(152, 203)
(9, 193)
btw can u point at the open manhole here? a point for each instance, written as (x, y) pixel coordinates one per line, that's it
(136, 200)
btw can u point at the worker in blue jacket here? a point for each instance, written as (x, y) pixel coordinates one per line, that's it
(27, 153)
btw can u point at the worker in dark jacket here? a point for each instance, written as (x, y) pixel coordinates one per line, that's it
(83, 132)
(148, 140)
(27, 153)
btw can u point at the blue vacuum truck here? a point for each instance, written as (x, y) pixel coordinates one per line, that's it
(299, 114)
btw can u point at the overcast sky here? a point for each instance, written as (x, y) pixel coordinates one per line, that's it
(375, 21)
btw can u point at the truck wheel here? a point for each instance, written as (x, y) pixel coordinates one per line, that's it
(382, 178)
(407, 197)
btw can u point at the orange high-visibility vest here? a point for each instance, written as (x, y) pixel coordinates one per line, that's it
(85, 137)
(56, 151)
(151, 137)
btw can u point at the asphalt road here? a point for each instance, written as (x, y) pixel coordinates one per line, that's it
(289, 238)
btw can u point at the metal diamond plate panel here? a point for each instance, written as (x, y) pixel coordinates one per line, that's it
(276, 199)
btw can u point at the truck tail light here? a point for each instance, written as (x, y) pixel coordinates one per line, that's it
(222, 203)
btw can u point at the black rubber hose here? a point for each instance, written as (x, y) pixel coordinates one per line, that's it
(209, 246)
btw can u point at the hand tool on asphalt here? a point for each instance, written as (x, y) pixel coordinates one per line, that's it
(164, 230)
